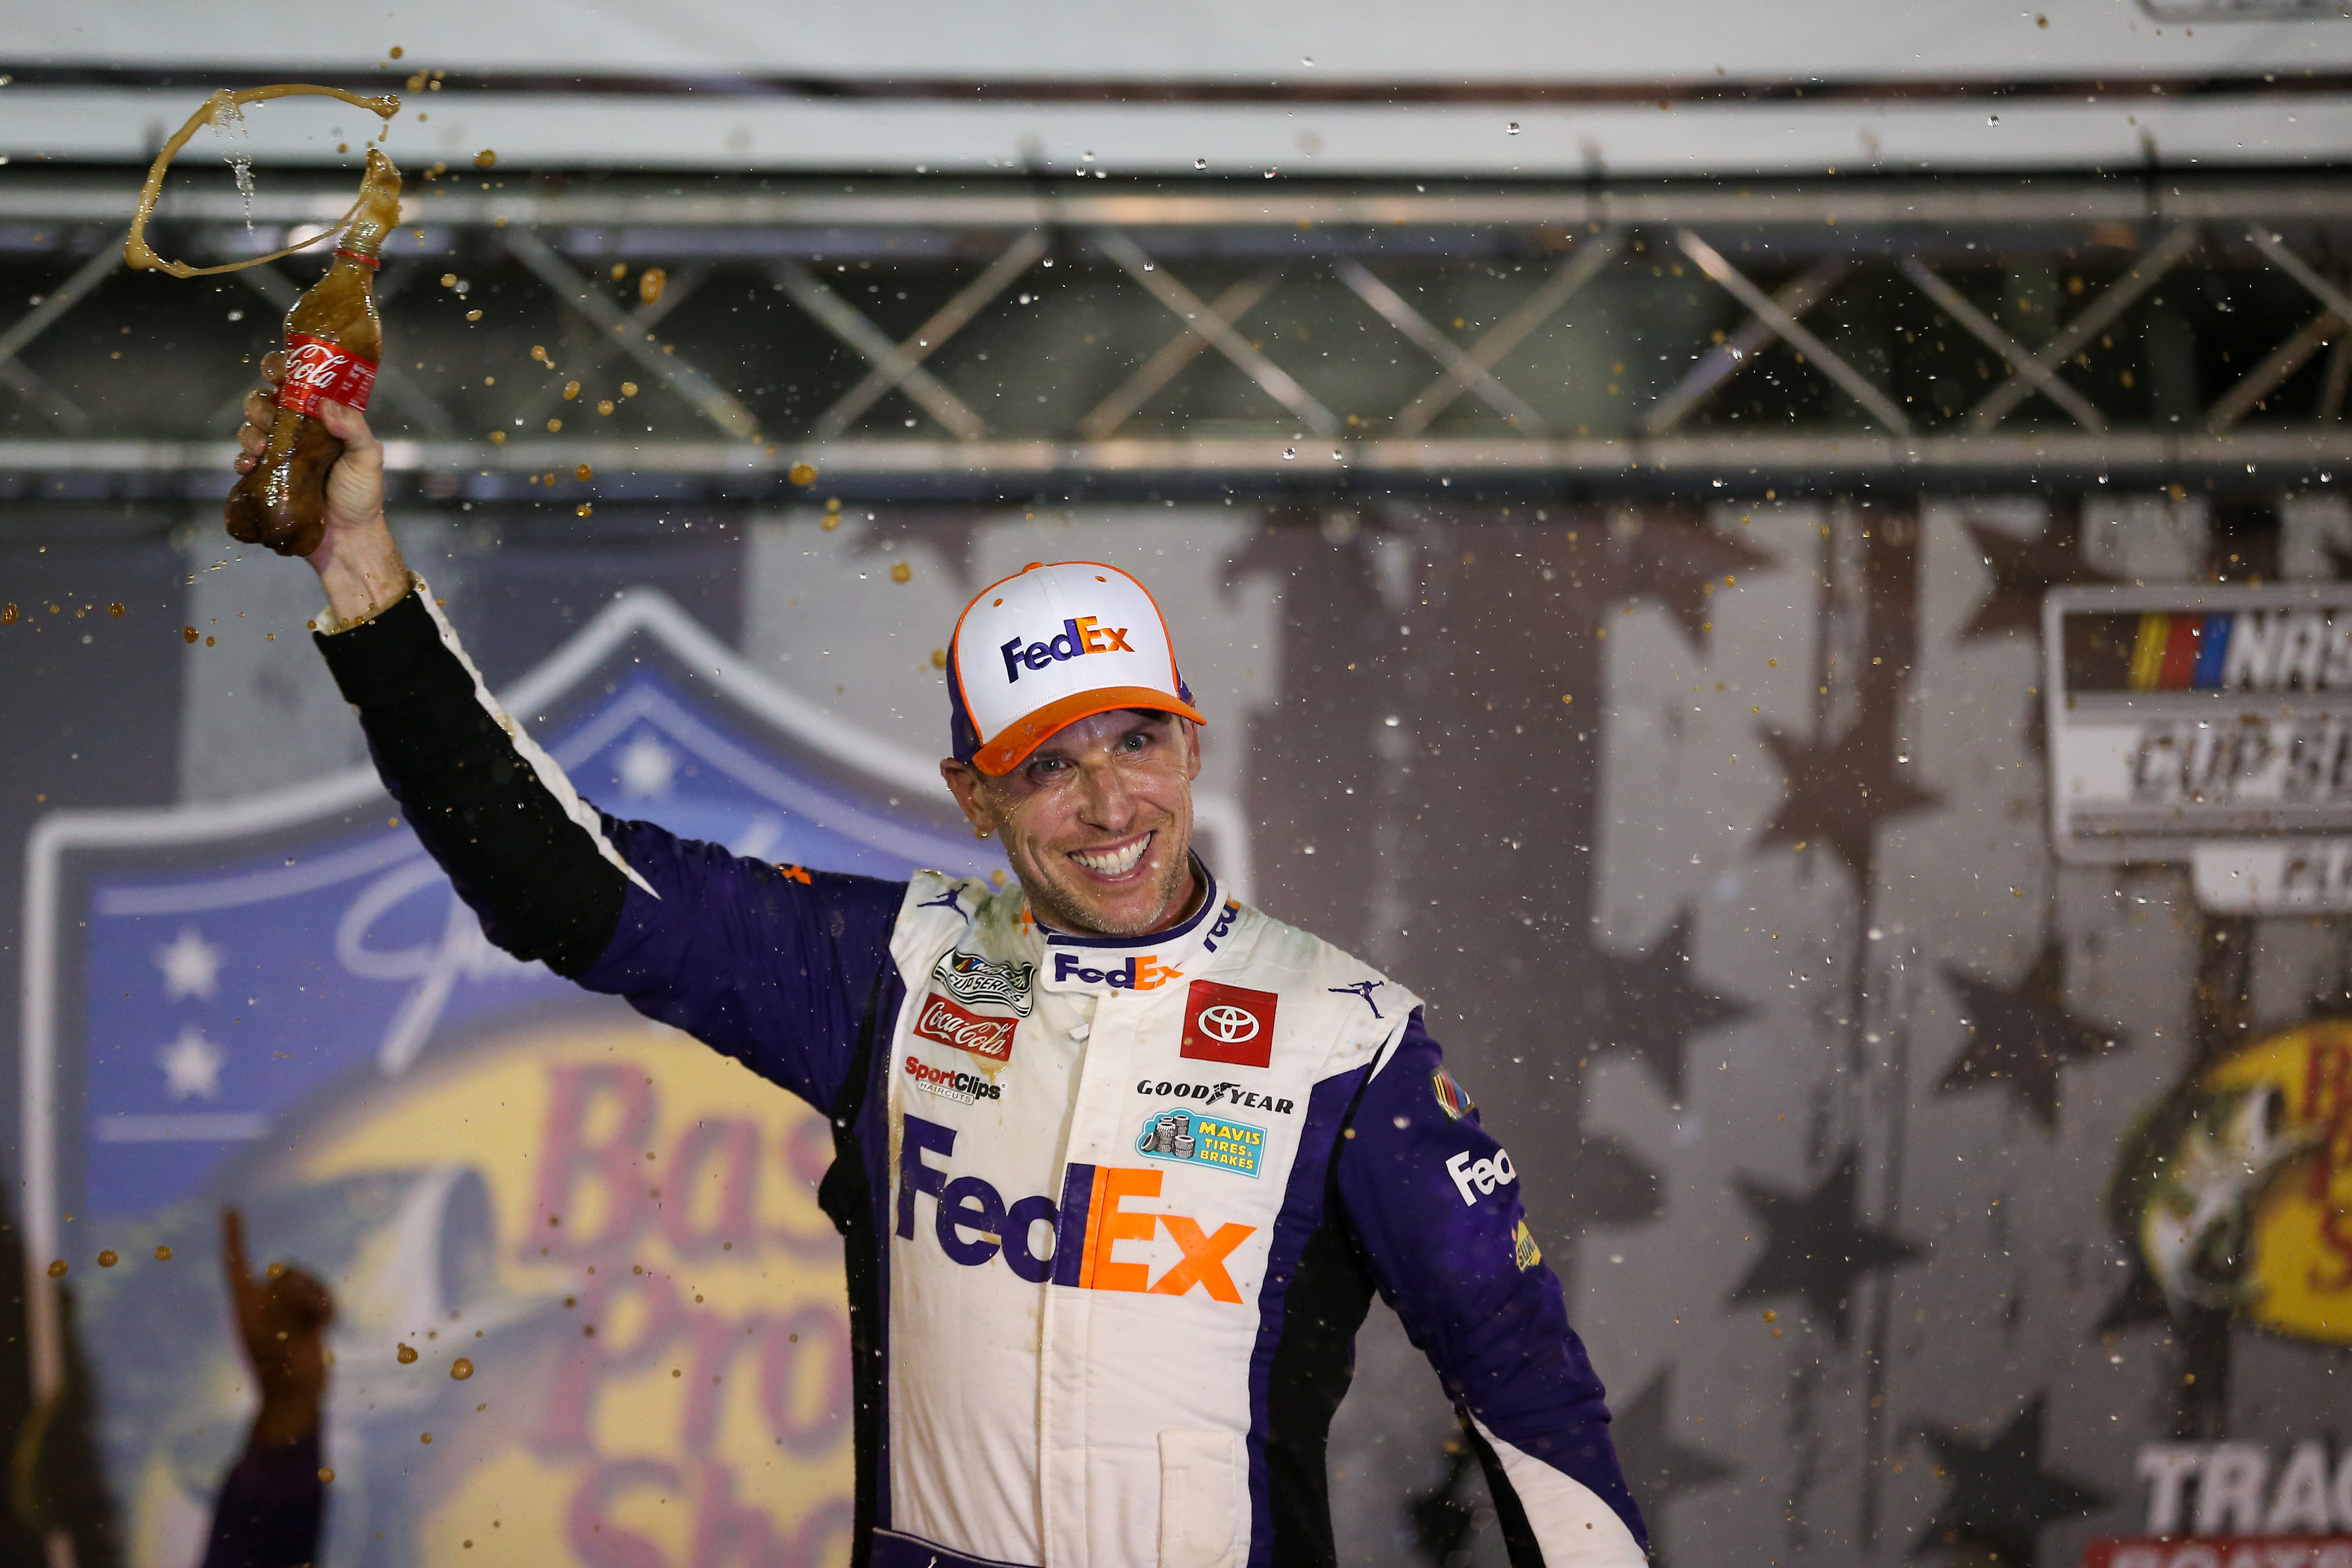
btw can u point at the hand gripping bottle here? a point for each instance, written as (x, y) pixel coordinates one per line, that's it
(334, 341)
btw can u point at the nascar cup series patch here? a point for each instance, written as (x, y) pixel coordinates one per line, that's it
(976, 981)
(1450, 1097)
(1190, 1138)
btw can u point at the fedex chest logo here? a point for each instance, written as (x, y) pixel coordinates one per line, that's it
(1071, 1241)
(1077, 639)
(1137, 972)
(1232, 1024)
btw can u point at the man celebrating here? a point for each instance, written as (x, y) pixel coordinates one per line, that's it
(1120, 1161)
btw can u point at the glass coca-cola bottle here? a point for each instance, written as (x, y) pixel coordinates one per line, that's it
(334, 341)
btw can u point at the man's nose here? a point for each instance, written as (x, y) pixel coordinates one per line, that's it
(1106, 802)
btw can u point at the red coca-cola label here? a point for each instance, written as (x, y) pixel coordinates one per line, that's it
(948, 1024)
(316, 369)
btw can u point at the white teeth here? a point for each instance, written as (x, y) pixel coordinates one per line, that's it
(1117, 863)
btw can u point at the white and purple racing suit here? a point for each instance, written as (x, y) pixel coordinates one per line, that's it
(1113, 1209)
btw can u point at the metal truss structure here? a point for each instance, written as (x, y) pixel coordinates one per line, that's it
(1022, 340)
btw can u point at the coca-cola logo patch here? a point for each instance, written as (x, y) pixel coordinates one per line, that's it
(941, 1020)
(1231, 1024)
(316, 369)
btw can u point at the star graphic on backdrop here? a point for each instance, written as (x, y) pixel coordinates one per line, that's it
(646, 767)
(191, 1066)
(191, 966)
(1607, 1184)
(1657, 1465)
(2001, 1497)
(1682, 562)
(2021, 1037)
(2026, 569)
(1840, 790)
(1817, 1244)
(1644, 1004)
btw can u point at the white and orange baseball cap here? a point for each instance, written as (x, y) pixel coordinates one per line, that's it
(1049, 646)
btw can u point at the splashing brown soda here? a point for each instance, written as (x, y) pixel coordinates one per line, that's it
(334, 341)
(461, 1369)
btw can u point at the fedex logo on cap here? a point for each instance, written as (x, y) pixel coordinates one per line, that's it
(1009, 688)
(1081, 635)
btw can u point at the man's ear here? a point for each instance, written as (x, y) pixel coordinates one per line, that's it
(1191, 733)
(964, 782)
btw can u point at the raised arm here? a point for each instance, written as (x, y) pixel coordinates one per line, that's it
(1435, 1207)
(271, 1503)
(773, 969)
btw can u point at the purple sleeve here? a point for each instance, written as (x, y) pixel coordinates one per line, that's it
(270, 1508)
(1434, 1203)
(773, 966)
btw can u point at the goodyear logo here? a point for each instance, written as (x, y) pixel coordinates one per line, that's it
(1077, 637)
(1190, 1138)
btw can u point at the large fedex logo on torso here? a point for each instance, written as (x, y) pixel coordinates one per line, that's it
(284, 1003)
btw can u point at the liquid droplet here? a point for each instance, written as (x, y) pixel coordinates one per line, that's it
(585, 509)
(1992, 120)
(628, 388)
(1512, 128)
(604, 405)
(461, 1369)
(425, 1437)
(571, 390)
(57, 1270)
(115, 611)
(326, 1474)
(108, 1259)
(407, 1355)
(7, 615)
(902, 572)
(162, 1254)
(485, 158)
(473, 315)
(583, 472)
(1200, 163)
(189, 633)
(1289, 452)
(650, 284)
(802, 474)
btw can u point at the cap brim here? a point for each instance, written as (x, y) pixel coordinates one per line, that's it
(1024, 735)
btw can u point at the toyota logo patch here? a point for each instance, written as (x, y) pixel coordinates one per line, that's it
(1227, 1024)
(1231, 1024)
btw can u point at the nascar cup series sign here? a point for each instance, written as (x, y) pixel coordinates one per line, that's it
(282, 1003)
(2207, 724)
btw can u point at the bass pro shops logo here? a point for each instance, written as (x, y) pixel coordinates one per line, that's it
(948, 1024)
(1080, 1233)
(979, 982)
(1231, 1024)
(1078, 638)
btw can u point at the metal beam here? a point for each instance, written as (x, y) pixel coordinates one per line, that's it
(39, 319)
(1792, 332)
(1489, 350)
(1986, 330)
(1718, 365)
(946, 322)
(2267, 377)
(1459, 366)
(1239, 299)
(716, 403)
(2093, 319)
(846, 322)
(1271, 378)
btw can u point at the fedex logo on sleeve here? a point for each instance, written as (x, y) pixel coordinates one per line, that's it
(1079, 637)
(1472, 1177)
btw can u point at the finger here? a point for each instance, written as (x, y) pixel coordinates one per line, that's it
(348, 426)
(233, 1264)
(251, 439)
(260, 409)
(273, 366)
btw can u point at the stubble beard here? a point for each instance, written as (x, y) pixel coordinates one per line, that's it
(1061, 909)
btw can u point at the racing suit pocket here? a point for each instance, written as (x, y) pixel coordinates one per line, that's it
(1200, 1500)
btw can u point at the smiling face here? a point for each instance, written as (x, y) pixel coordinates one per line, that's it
(1097, 821)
